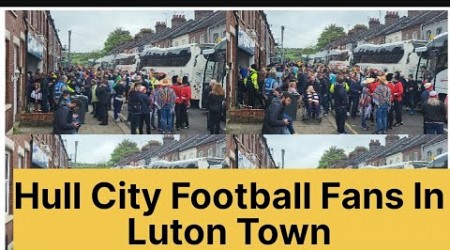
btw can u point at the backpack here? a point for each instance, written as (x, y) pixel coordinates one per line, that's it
(269, 82)
(58, 90)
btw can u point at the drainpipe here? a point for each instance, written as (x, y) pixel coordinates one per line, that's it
(236, 60)
(25, 16)
(47, 36)
(236, 151)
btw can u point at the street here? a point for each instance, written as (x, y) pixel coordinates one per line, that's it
(197, 122)
(412, 125)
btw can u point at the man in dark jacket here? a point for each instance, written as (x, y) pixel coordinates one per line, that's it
(274, 120)
(102, 93)
(64, 123)
(340, 105)
(324, 95)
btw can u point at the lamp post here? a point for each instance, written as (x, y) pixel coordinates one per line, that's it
(76, 149)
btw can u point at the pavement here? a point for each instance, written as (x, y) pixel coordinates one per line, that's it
(197, 122)
(90, 127)
(412, 125)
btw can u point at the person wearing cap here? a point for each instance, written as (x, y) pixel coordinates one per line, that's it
(381, 99)
(64, 119)
(165, 97)
(434, 113)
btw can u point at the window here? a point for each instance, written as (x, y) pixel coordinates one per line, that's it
(439, 151)
(406, 157)
(215, 38)
(176, 43)
(200, 154)
(428, 35)
(438, 31)
(202, 38)
(406, 36)
(20, 162)
(224, 34)
(7, 179)
(414, 35)
(223, 152)
(193, 40)
(429, 154)
(210, 152)
(183, 42)
(416, 156)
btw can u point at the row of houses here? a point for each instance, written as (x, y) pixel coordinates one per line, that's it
(396, 150)
(417, 25)
(249, 152)
(207, 27)
(29, 151)
(249, 41)
(188, 147)
(31, 44)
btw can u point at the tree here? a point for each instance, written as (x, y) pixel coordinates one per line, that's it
(330, 156)
(125, 148)
(330, 34)
(143, 32)
(116, 37)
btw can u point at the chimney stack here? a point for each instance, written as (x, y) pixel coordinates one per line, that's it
(167, 138)
(178, 20)
(160, 26)
(374, 145)
(201, 14)
(373, 23)
(391, 17)
(391, 139)
(413, 13)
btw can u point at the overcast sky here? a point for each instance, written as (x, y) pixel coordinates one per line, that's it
(90, 28)
(305, 151)
(303, 27)
(98, 148)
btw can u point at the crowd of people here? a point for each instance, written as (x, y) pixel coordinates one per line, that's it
(153, 100)
(376, 97)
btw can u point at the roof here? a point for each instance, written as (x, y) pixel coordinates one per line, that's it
(397, 147)
(175, 146)
(440, 17)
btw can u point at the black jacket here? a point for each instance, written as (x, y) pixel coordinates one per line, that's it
(134, 102)
(215, 102)
(434, 113)
(62, 123)
(102, 94)
(340, 96)
(273, 119)
(145, 103)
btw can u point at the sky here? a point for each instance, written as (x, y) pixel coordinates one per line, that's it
(305, 151)
(90, 28)
(303, 27)
(98, 148)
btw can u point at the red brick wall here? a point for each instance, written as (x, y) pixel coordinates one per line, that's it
(197, 34)
(36, 119)
(411, 151)
(246, 115)
(410, 32)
